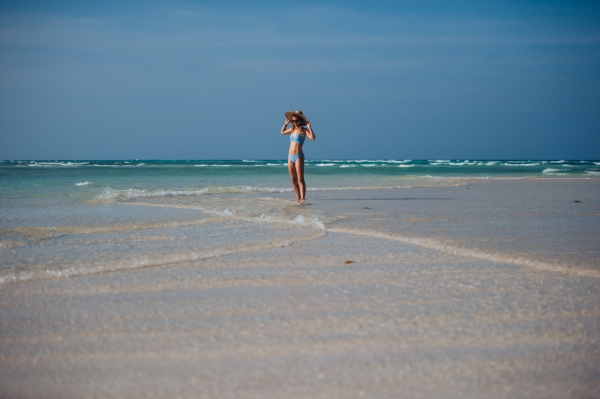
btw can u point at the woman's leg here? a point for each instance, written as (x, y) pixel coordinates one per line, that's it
(294, 177)
(300, 173)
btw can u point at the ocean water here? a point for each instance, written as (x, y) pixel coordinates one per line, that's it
(67, 218)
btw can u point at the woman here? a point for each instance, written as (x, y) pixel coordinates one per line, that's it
(296, 157)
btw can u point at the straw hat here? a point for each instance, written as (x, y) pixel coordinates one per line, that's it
(299, 114)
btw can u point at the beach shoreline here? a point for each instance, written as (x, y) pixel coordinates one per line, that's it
(406, 317)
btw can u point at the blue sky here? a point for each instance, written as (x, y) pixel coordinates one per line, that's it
(382, 80)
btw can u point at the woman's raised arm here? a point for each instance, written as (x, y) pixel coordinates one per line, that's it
(310, 133)
(283, 129)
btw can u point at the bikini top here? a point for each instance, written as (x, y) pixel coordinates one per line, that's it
(297, 139)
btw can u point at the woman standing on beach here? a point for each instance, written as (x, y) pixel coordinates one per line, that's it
(295, 155)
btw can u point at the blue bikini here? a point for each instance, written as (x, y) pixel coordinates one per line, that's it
(297, 139)
(294, 157)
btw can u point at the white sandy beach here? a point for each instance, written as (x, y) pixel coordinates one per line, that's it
(488, 290)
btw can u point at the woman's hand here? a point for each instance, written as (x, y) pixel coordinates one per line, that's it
(310, 134)
(284, 129)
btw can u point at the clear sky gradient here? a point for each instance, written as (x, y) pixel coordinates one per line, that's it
(381, 80)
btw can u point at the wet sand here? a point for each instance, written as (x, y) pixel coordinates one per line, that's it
(489, 290)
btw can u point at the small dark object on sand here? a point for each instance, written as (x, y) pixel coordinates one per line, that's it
(576, 201)
(366, 207)
(348, 261)
(467, 188)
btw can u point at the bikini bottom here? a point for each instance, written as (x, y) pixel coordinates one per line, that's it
(294, 157)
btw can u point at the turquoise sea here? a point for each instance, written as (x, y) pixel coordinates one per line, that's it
(116, 180)
(74, 217)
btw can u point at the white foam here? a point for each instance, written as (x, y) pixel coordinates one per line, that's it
(112, 166)
(435, 177)
(319, 223)
(561, 161)
(324, 164)
(48, 163)
(348, 166)
(405, 166)
(496, 178)
(521, 164)
(461, 251)
(91, 266)
(299, 219)
(269, 189)
(110, 193)
(83, 183)
(550, 170)
(369, 164)
(225, 212)
(592, 172)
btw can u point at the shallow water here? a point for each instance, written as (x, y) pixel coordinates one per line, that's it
(66, 218)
